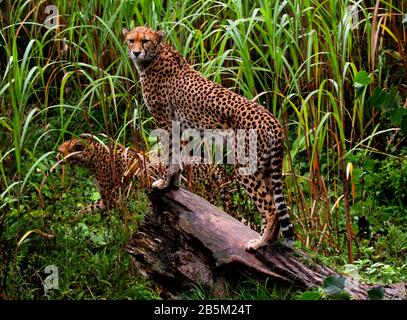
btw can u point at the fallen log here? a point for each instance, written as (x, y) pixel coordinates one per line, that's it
(185, 241)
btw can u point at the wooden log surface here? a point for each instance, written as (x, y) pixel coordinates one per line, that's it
(185, 241)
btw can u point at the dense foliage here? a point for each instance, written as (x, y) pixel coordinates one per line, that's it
(334, 72)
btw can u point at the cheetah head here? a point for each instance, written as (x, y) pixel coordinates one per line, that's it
(143, 43)
(74, 150)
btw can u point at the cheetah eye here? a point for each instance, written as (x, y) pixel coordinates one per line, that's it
(145, 41)
(131, 41)
(77, 147)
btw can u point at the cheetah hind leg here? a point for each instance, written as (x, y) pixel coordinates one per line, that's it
(100, 204)
(270, 233)
(265, 205)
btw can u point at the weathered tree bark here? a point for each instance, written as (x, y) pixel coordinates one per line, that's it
(186, 241)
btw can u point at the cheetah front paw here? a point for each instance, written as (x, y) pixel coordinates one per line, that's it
(289, 243)
(254, 244)
(159, 184)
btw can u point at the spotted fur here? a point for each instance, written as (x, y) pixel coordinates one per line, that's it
(113, 166)
(113, 179)
(173, 90)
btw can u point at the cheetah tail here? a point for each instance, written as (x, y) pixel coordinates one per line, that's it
(282, 211)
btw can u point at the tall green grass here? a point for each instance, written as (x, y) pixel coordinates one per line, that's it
(314, 64)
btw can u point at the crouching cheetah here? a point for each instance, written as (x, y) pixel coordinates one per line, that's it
(174, 91)
(113, 166)
(116, 168)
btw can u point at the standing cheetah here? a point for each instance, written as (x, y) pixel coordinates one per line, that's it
(174, 91)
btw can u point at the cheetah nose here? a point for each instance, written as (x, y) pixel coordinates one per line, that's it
(136, 53)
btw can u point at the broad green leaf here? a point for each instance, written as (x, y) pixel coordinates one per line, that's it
(309, 295)
(396, 116)
(95, 196)
(98, 240)
(334, 285)
(378, 97)
(376, 293)
(362, 79)
(341, 296)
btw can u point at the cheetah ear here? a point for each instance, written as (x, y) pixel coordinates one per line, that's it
(125, 32)
(161, 35)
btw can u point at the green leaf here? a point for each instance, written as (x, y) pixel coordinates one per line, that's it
(387, 101)
(397, 115)
(378, 97)
(95, 196)
(362, 79)
(98, 240)
(84, 230)
(376, 293)
(309, 295)
(341, 296)
(333, 285)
